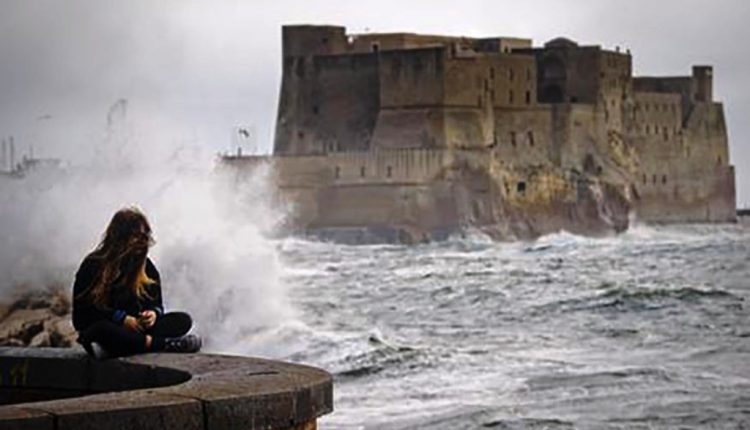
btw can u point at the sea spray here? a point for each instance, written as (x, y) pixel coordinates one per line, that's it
(211, 229)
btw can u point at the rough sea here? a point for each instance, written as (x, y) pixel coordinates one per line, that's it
(644, 330)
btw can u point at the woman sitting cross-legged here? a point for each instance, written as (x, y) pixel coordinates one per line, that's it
(117, 301)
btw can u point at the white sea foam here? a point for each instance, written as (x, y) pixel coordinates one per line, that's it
(212, 248)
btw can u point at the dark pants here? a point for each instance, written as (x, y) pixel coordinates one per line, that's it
(119, 341)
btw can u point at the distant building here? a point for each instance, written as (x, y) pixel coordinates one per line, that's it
(410, 137)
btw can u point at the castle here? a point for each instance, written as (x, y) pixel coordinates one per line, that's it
(408, 137)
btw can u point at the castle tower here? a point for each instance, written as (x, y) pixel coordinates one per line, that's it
(703, 81)
(307, 40)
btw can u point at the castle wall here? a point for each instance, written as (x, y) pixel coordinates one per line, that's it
(409, 128)
(568, 74)
(705, 196)
(682, 85)
(411, 97)
(656, 129)
(524, 137)
(327, 103)
(512, 80)
(412, 78)
(400, 41)
(310, 40)
(684, 175)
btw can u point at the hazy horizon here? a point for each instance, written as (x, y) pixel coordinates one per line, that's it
(194, 70)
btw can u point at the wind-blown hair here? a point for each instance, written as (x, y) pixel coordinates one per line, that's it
(122, 257)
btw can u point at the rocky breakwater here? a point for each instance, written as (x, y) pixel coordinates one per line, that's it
(39, 318)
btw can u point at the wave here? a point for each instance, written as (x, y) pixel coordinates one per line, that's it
(381, 354)
(623, 299)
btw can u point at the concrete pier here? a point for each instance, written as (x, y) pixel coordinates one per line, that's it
(56, 389)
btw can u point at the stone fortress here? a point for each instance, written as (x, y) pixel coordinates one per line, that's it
(407, 137)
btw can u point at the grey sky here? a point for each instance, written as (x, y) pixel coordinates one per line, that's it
(199, 68)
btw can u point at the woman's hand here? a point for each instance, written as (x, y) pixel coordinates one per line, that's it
(131, 323)
(147, 319)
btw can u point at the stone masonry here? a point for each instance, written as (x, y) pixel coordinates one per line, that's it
(406, 137)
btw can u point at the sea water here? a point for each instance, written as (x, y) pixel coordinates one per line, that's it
(646, 329)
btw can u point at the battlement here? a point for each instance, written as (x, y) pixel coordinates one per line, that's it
(311, 40)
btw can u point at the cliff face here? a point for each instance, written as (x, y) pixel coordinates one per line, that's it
(419, 195)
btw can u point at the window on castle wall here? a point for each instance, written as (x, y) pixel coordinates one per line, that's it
(492, 73)
(389, 171)
(337, 172)
(645, 179)
(530, 136)
(653, 179)
(663, 179)
(316, 109)
(362, 171)
(718, 160)
(513, 138)
(324, 41)
(648, 129)
(528, 97)
(521, 188)
(666, 134)
(510, 96)
(300, 135)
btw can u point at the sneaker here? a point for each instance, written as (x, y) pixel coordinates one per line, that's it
(188, 343)
(94, 350)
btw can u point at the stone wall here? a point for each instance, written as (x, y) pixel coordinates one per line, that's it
(448, 132)
(327, 103)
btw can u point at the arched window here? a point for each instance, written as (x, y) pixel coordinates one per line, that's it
(552, 68)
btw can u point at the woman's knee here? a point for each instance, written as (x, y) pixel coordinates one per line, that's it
(172, 324)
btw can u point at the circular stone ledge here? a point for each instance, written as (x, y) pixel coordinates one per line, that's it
(158, 391)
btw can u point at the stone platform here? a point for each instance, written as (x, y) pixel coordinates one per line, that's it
(56, 389)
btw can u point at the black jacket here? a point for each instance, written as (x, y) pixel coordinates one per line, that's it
(122, 301)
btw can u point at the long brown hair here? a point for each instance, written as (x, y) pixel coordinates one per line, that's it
(122, 253)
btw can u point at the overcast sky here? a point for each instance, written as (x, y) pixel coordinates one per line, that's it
(204, 67)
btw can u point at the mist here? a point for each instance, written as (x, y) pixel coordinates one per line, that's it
(211, 229)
